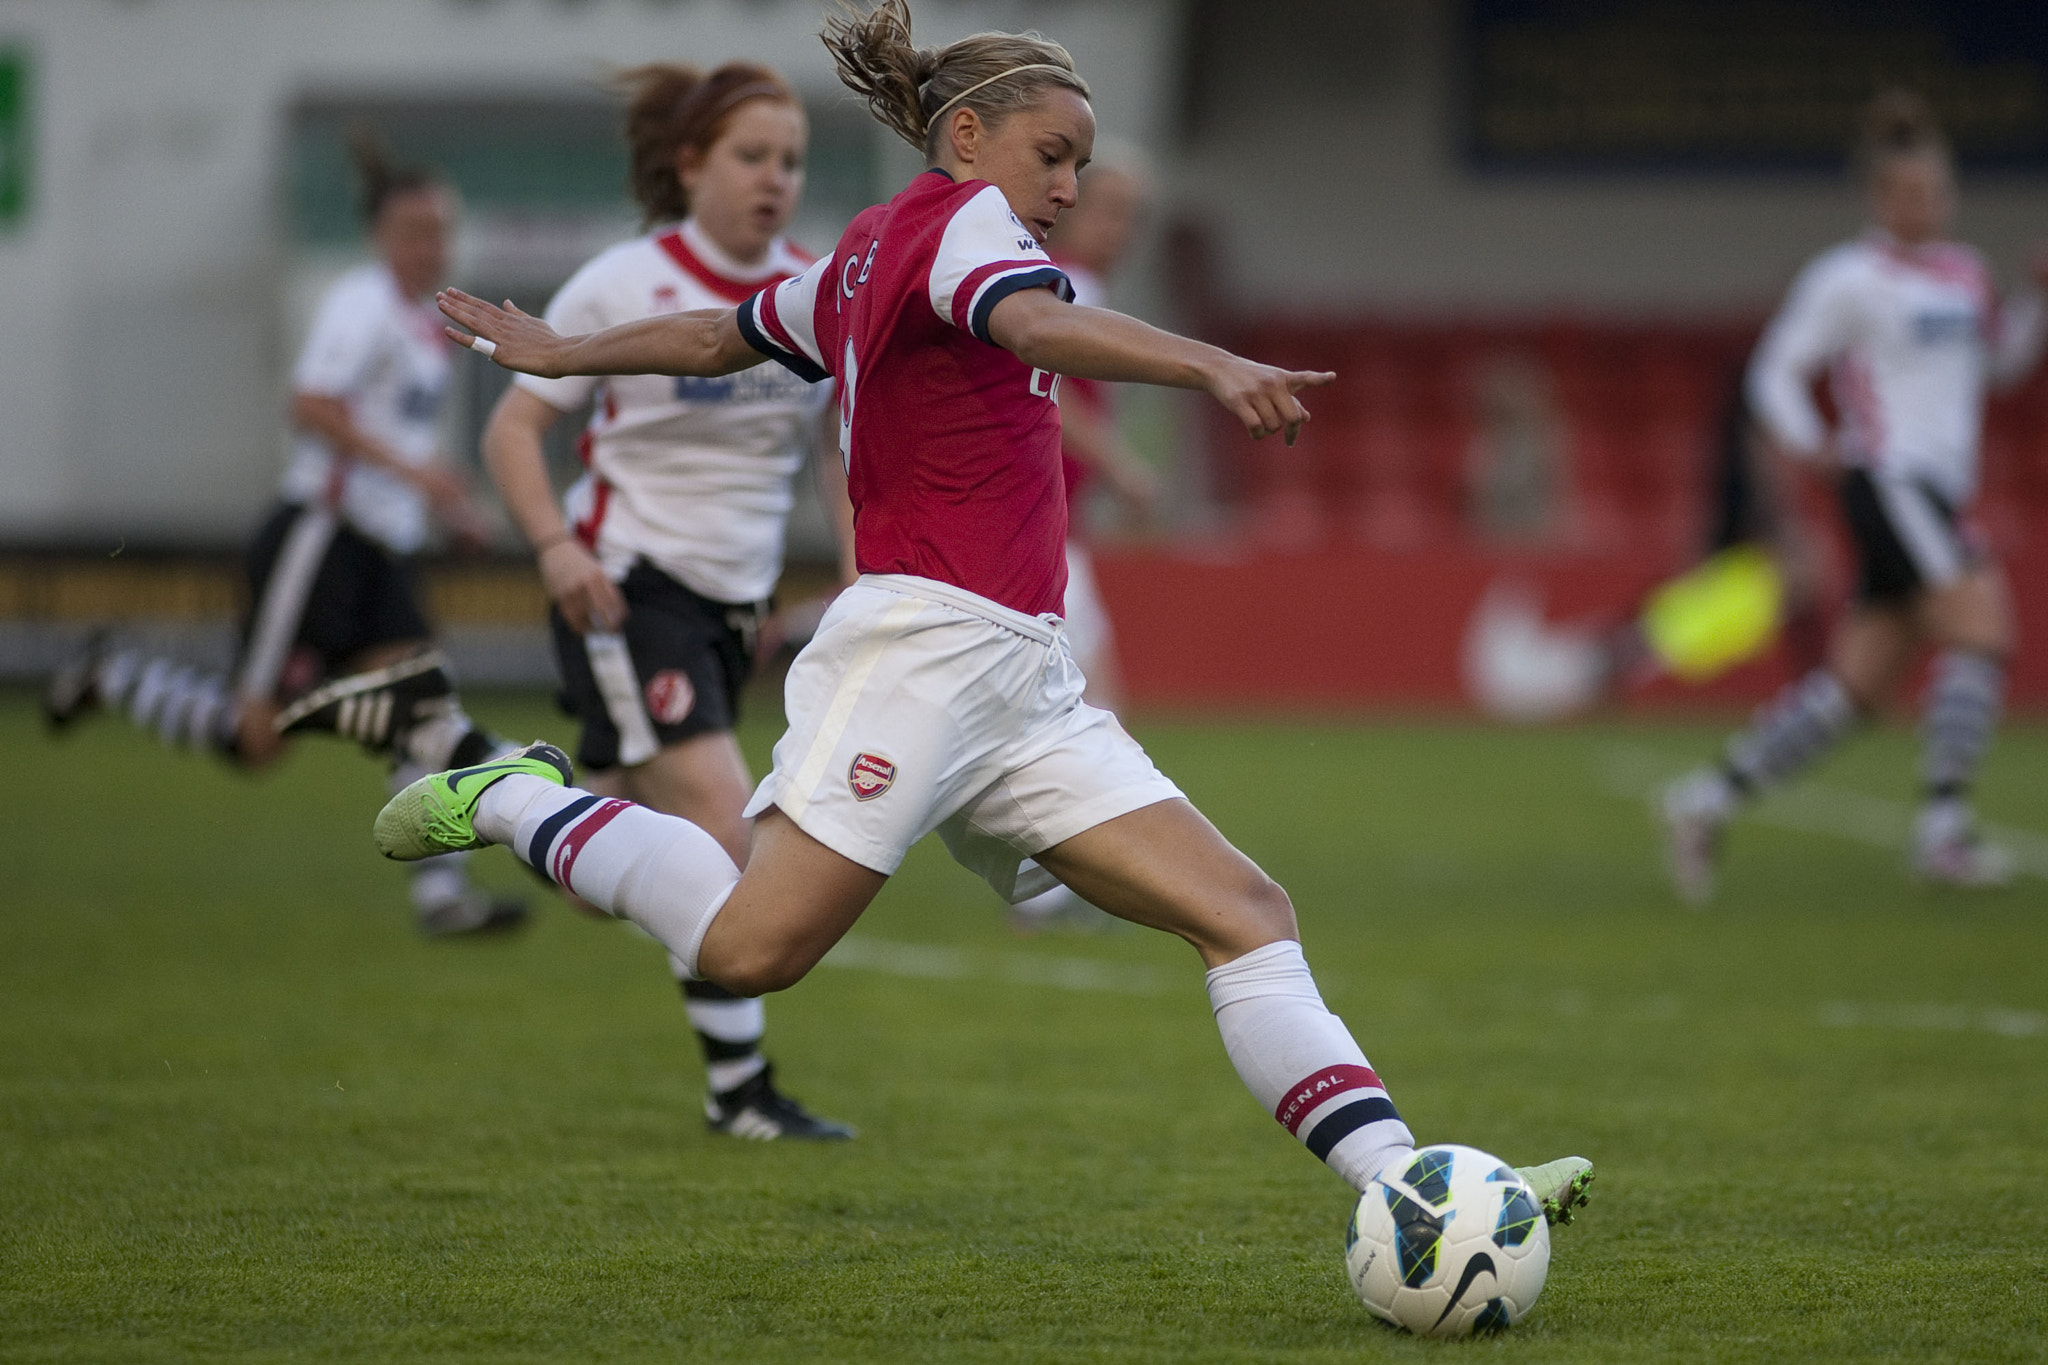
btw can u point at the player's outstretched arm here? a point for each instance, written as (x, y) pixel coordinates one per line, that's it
(1041, 330)
(704, 343)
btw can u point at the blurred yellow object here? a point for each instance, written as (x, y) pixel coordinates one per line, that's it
(1726, 611)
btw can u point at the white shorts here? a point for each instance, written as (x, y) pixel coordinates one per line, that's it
(1088, 629)
(919, 706)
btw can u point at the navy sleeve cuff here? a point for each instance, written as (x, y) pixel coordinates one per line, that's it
(796, 363)
(1045, 277)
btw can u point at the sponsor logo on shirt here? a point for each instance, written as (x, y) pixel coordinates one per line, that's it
(419, 403)
(1936, 328)
(870, 776)
(761, 384)
(670, 697)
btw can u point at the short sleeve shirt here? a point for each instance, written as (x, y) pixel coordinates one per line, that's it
(692, 475)
(951, 443)
(386, 358)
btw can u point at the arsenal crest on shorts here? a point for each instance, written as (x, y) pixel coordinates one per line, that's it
(870, 776)
(670, 697)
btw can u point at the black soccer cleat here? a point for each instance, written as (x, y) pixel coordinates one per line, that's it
(73, 691)
(756, 1109)
(376, 708)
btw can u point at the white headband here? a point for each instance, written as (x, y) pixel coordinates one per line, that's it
(1035, 66)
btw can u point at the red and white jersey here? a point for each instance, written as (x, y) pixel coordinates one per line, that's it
(384, 356)
(1909, 337)
(693, 475)
(952, 444)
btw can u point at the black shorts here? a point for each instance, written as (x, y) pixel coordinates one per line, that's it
(1907, 537)
(677, 672)
(320, 594)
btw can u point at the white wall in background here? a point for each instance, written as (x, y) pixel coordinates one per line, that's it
(141, 347)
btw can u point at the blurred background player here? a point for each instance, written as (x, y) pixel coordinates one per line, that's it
(1091, 241)
(672, 542)
(1910, 331)
(335, 639)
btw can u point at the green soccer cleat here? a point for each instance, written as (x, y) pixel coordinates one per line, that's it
(436, 814)
(1560, 1186)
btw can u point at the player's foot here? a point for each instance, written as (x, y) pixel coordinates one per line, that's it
(1695, 808)
(437, 814)
(1561, 1186)
(475, 911)
(74, 689)
(1949, 851)
(756, 1109)
(374, 708)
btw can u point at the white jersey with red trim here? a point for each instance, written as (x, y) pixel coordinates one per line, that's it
(385, 357)
(692, 475)
(952, 444)
(1909, 337)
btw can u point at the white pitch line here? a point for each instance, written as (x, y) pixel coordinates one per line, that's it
(1633, 771)
(931, 961)
(1936, 1019)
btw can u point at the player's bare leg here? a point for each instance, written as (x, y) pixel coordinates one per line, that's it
(796, 899)
(1167, 867)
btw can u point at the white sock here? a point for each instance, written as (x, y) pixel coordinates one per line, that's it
(1299, 1061)
(659, 871)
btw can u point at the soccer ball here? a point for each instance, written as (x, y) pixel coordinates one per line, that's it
(1453, 1242)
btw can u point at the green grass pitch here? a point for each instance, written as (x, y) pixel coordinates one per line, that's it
(246, 1115)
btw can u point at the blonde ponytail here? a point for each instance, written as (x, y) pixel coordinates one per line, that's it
(908, 87)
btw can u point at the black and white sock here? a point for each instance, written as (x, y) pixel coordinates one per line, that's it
(1791, 732)
(1963, 702)
(184, 707)
(729, 1028)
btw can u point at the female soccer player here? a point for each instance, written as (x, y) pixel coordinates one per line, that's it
(661, 582)
(1908, 326)
(940, 691)
(332, 589)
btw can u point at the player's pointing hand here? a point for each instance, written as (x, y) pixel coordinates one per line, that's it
(1262, 396)
(514, 338)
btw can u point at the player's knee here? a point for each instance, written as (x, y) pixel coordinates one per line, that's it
(1260, 913)
(759, 968)
(1271, 908)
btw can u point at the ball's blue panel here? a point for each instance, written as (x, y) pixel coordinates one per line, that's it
(1430, 1176)
(1417, 1235)
(1518, 1218)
